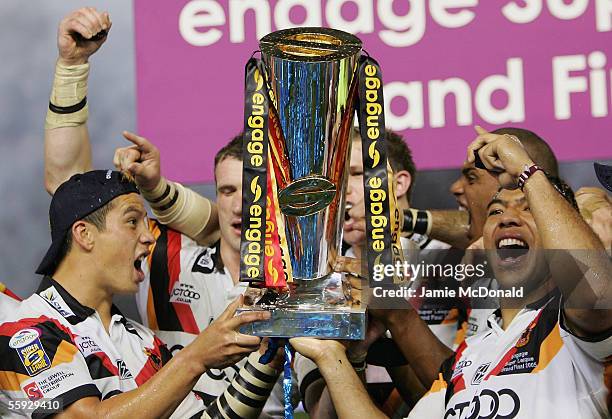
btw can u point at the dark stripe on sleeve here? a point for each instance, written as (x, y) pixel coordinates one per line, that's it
(243, 398)
(172, 201)
(227, 409)
(64, 110)
(163, 196)
(251, 387)
(259, 375)
(112, 393)
(213, 411)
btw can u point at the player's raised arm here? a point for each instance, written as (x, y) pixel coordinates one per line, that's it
(67, 147)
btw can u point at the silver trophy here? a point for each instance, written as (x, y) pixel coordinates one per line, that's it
(312, 80)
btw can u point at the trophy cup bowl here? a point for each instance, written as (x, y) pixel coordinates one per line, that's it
(311, 73)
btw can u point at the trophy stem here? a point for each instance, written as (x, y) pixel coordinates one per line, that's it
(320, 293)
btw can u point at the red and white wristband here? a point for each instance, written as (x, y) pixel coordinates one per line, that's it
(528, 171)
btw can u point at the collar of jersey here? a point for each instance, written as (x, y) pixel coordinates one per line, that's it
(495, 320)
(80, 311)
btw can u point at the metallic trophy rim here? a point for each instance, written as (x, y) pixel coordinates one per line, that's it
(310, 44)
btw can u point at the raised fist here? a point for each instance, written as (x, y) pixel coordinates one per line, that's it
(81, 34)
(503, 155)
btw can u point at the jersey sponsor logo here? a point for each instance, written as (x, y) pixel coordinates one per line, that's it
(460, 366)
(479, 374)
(124, 372)
(52, 383)
(489, 404)
(205, 263)
(32, 391)
(86, 345)
(51, 296)
(183, 293)
(30, 350)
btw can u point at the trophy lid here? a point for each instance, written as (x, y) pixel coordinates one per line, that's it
(310, 44)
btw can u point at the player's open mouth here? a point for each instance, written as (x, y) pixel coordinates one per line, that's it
(138, 263)
(237, 226)
(510, 249)
(347, 208)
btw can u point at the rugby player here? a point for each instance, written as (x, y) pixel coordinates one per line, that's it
(543, 354)
(189, 278)
(442, 320)
(69, 343)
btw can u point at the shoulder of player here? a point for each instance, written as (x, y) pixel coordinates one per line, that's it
(175, 242)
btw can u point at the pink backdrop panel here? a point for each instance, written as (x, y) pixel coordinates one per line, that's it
(447, 65)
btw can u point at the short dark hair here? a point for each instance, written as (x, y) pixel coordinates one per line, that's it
(398, 154)
(536, 147)
(231, 149)
(97, 218)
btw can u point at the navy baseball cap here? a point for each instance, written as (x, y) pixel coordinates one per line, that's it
(604, 175)
(75, 199)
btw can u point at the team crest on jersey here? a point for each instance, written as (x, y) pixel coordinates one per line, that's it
(124, 372)
(30, 350)
(205, 262)
(524, 339)
(51, 296)
(480, 373)
(155, 360)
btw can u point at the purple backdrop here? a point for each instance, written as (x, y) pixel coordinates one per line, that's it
(447, 65)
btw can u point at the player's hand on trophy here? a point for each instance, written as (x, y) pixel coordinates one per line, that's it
(81, 34)
(220, 344)
(501, 154)
(141, 161)
(278, 359)
(317, 349)
(348, 265)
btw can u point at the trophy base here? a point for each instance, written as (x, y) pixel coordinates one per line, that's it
(335, 312)
(324, 324)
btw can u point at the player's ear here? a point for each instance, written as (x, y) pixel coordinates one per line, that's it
(403, 180)
(83, 235)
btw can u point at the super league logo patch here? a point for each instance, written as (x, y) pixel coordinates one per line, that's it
(30, 350)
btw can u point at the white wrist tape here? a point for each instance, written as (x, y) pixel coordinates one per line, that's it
(67, 104)
(180, 208)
